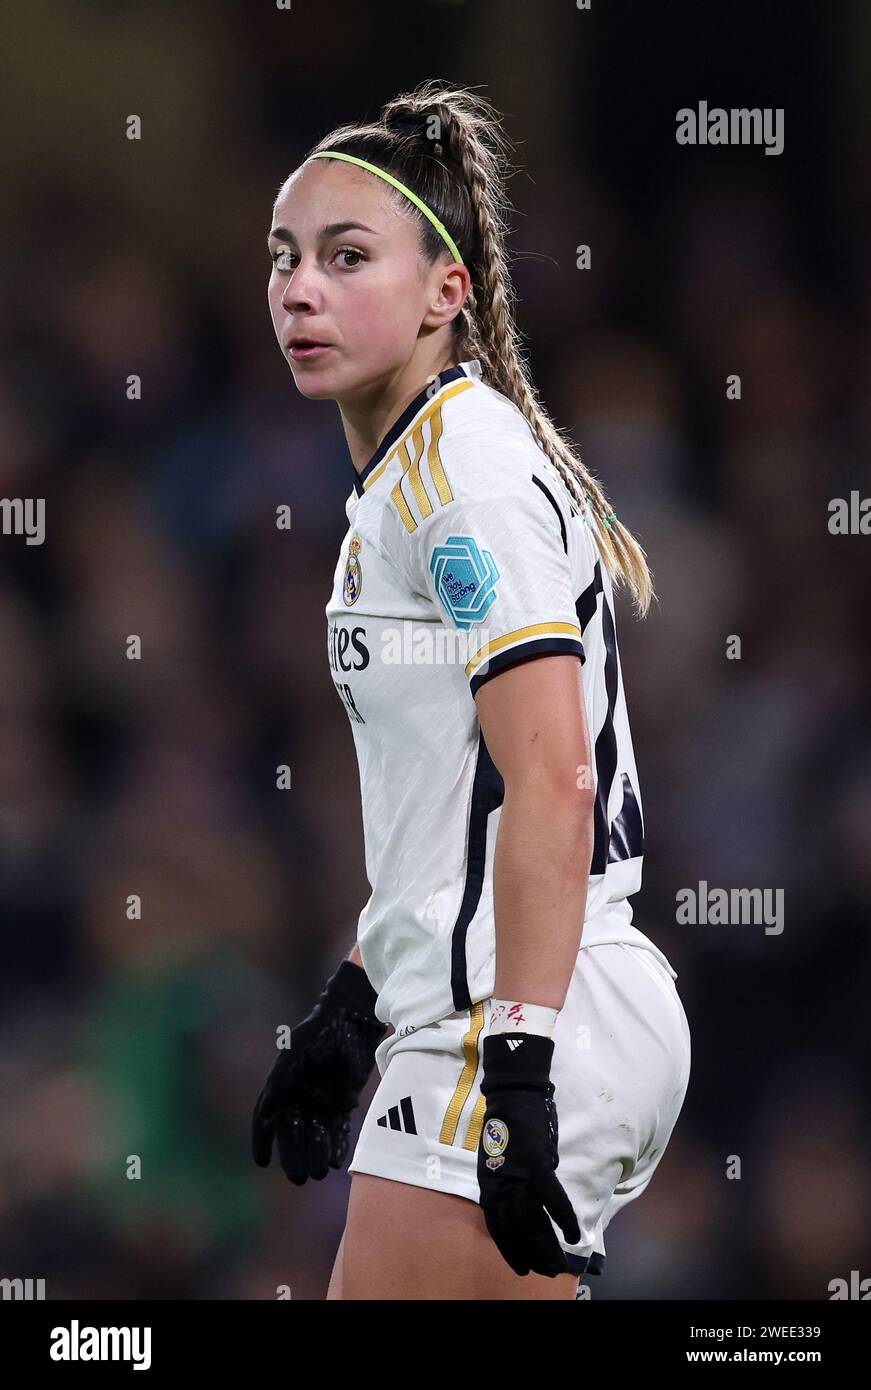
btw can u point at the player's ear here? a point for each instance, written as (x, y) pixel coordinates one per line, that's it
(456, 285)
(449, 294)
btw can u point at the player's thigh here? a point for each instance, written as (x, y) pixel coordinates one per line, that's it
(405, 1242)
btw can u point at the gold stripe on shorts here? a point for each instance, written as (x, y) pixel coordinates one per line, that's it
(476, 1124)
(467, 1078)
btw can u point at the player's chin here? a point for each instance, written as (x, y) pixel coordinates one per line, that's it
(316, 383)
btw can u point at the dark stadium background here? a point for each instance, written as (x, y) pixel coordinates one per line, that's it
(157, 777)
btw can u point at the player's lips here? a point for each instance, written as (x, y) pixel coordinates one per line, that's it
(302, 348)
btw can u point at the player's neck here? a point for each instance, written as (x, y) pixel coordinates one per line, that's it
(368, 417)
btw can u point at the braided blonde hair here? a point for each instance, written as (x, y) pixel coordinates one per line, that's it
(448, 145)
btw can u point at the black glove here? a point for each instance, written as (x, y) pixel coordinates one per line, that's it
(517, 1155)
(316, 1082)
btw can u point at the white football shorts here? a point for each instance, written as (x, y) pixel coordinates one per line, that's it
(620, 1070)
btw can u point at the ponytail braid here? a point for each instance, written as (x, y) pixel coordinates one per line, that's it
(448, 144)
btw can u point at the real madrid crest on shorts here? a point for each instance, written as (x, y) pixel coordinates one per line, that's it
(495, 1142)
(353, 572)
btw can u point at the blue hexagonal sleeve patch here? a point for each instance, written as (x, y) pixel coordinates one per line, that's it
(465, 579)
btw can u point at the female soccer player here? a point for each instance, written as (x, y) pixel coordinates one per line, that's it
(472, 643)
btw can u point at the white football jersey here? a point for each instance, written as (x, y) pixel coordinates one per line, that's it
(465, 554)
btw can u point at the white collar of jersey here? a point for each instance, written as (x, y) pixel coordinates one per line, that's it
(472, 369)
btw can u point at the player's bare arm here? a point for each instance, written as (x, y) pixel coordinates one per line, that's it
(535, 726)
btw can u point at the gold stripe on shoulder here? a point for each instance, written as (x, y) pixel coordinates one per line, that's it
(402, 507)
(436, 467)
(413, 469)
(417, 487)
(411, 461)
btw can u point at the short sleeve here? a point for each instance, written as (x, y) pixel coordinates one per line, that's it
(495, 565)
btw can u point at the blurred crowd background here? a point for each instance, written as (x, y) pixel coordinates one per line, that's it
(157, 776)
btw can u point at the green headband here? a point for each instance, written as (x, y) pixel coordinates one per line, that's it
(382, 174)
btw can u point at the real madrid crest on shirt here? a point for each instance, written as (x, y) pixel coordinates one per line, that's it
(353, 572)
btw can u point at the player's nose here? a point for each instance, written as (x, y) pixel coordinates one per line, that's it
(301, 290)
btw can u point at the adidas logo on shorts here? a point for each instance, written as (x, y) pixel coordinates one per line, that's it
(393, 1119)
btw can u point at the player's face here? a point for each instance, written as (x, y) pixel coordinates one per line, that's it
(364, 291)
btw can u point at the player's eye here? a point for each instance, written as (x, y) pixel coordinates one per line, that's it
(349, 251)
(280, 263)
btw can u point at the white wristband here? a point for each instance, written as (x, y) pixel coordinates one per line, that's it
(511, 1016)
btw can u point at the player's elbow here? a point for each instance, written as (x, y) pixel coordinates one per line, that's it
(559, 792)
